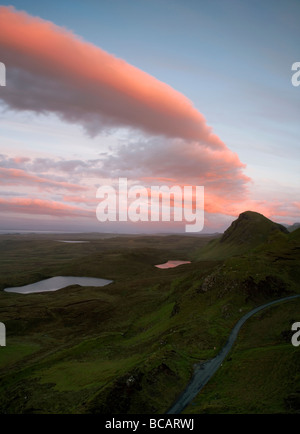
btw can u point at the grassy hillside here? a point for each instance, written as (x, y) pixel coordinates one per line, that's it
(293, 227)
(261, 374)
(130, 347)
(246, 233)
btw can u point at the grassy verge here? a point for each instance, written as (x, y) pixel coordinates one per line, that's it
(261, 374)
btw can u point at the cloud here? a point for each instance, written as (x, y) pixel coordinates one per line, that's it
(92, 201)
(183, 163)
(42, 207)
(20, 177)
(226, 194)
(52, 70)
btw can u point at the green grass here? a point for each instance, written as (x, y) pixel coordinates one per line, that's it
(130, 347)
(246, 233)
(77, 375)
(262, 372)
(15, 352)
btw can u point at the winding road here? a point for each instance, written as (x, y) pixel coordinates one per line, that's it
(204, 372)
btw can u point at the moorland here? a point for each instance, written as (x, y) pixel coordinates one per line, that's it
(131, 346)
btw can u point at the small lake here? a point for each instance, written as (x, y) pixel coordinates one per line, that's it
(58, 282)
(172, 264)
(72, 242)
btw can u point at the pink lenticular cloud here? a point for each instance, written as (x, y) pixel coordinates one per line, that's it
(52, 70)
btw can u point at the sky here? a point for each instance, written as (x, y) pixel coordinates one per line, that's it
(160, 92)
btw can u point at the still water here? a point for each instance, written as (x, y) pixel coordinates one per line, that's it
(172, 264)
(56, 283)
(72, 242)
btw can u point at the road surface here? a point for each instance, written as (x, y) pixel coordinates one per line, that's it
(204, 372)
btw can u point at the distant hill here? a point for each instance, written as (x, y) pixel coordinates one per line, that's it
(293, 227)
(247, 232)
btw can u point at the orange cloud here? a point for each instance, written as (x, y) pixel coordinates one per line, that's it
(180, 162)
(83, 200)
(42, 207)
(20, 177)
(297, 205)
(51, 69)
